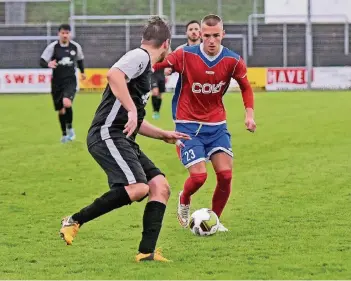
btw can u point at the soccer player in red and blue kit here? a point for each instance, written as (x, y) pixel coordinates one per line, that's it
(205, 72)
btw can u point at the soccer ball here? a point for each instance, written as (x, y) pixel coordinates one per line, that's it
(204, 222)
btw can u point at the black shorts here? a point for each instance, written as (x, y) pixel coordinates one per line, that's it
(63, 89)
(123, 162)
(157, 81)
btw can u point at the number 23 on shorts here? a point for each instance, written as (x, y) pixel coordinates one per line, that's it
(190, 156)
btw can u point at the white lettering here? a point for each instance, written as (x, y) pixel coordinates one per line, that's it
(291, 75)
(207, 88)
(197, 88)
(65, 61)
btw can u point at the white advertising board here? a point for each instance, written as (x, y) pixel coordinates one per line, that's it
(286, 78)
(25, 80)
(295, 11)
(296, 78)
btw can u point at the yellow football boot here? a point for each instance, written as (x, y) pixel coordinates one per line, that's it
(155, 256)
(69, 230)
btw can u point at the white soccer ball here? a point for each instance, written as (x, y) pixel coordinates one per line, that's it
(204, 222)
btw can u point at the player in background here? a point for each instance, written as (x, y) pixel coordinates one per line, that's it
(158, 87)
(205, 74)
(132, 176)
(63, 56)
(158, 84)
(192, 31)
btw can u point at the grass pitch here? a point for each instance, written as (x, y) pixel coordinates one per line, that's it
(288, 215)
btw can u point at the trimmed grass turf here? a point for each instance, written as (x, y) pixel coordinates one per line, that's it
(288, 214)
(186, 10)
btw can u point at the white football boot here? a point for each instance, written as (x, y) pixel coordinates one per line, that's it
(183, 213)
(222, 228)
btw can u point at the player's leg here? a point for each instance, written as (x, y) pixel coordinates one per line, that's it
(58, 105)
(69, 92)
(193, 158)
(221, 157)
(155, 98)
(62, 119)
(127, 182)
(159, 192)
(161, 89)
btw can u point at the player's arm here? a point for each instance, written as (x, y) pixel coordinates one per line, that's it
(117, 80)
(130, 66)
(46, 60)
(174, 60)
(80, 60)
(240, 75)
(168, 71)
(148, 130)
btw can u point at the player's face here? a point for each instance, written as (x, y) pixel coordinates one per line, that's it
(193, 32)
(64, 35)
(212, 38)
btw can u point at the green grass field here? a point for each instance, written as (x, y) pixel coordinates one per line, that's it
(185, 9)
(289, 213)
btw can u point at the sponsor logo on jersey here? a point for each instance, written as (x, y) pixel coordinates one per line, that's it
(65, 61)
(207, 88)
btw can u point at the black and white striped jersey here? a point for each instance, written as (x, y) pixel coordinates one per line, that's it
(66, 57)
(111, 116)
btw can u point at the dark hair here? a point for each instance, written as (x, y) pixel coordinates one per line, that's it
(156, 31)
(191, 22)
(64, 26)
(211, 20)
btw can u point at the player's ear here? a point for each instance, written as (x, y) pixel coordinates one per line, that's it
(166, 45)
(223, 33)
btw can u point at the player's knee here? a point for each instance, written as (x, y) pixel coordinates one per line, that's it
(155, 92)
(67, 103)
(224, 178)
(198, 168)
(62, 111)
(198, 179)
(159, 189)
(137, 191)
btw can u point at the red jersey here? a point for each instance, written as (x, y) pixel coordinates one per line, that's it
(203, 81)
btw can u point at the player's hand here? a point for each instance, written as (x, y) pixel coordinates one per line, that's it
(250, 124)
(168, 71)
(132, 123)
(173, 137)
(83, 76)
(52, 64)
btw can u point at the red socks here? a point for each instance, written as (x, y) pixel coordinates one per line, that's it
(192, 184)
(222, 192)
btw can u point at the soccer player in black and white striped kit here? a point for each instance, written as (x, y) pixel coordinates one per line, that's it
(132, 176)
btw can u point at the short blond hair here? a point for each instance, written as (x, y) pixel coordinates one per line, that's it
(211, 20)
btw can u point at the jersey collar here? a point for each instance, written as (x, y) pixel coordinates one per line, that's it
(210, 58)
(64, 45)
(210, 61)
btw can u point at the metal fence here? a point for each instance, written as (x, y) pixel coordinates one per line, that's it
(287, 35)
(274, 44)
